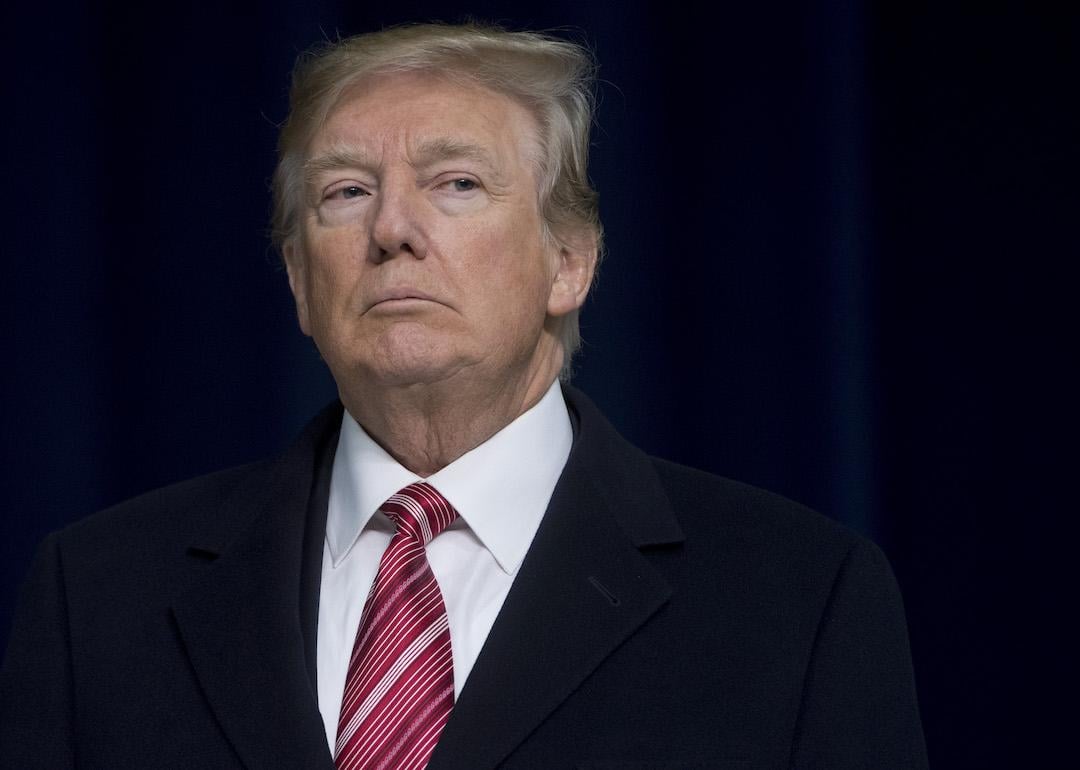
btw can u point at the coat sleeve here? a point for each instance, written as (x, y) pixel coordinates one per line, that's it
(859, 708)
(36, 708)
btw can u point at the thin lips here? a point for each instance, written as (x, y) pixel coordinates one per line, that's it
(401, 293)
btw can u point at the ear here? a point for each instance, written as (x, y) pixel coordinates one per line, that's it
(575, 267)
(296, 266)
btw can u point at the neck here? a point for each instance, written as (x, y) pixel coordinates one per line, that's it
(426, 426)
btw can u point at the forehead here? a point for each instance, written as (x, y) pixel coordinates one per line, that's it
(423, 114)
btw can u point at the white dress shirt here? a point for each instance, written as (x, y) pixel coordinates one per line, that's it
(500, 489)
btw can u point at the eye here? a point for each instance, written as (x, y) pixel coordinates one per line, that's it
(346, 192)
(461, 184)
(352, 191)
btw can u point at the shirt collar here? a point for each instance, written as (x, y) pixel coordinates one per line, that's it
(501, 488)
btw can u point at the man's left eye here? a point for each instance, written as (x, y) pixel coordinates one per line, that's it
(463, 185)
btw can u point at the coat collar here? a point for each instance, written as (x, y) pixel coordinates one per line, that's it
(248, 621)
(243, 622)
(583, 589)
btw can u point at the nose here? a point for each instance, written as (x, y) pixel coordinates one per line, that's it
(396, 229)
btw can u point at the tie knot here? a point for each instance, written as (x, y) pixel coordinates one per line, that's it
(419, 511)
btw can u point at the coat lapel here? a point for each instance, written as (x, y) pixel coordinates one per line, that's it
(241, 620)
(583, 588)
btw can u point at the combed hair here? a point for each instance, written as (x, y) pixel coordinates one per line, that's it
(554, 79)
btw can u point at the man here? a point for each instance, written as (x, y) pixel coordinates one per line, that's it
(466, 566)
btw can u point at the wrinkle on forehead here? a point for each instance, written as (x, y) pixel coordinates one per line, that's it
(424, 147)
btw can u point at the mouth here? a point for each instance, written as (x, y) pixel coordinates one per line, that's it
(402, 298)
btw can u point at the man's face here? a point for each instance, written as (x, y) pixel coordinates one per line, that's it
(420, 252)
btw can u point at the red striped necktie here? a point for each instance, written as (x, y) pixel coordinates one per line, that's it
(400, 687)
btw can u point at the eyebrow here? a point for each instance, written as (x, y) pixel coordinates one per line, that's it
(335, 158)
(446, 148)
(428, 153)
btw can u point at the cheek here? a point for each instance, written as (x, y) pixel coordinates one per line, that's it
(514, 254)
(332, 268)
(518, 284)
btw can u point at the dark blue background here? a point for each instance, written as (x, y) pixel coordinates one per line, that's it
(840, 236)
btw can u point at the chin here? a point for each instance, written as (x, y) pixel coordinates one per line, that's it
(404, 373)
(411, 357)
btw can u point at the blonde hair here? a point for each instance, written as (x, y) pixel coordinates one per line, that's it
(553, 78)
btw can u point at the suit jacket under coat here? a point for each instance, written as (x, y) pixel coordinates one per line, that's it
(663, 617)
